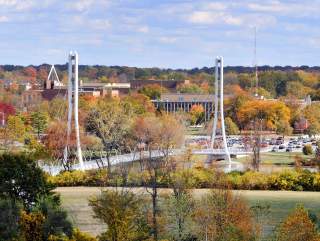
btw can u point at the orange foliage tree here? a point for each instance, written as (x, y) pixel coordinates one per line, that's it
(297, 227)
(271, 113)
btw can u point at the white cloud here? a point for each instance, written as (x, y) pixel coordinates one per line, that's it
(4, 19)
(167, 40)
(204, 17)
(100, 24)
(18, 5)
(84, 5)
(143, 29)
(294, 9)
(216, 6)
(83, 21)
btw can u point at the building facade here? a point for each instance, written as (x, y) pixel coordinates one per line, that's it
(184, 102)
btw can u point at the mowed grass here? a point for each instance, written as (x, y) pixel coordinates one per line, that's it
(277, 158)
(75, 201)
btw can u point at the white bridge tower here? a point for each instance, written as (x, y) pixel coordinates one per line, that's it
(73, 99)
(218, 110)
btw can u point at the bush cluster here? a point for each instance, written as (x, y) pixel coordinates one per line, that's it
(293, 180)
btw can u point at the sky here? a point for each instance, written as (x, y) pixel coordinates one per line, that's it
(160, 33)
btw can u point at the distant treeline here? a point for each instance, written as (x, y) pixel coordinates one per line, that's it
(158, 71)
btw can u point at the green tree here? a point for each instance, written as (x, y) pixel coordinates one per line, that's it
(39, 121)
(55, 218)
(153, 91)
(231, 127)
(121, 211)
(22, 180)
(190, 89)
(9, 219)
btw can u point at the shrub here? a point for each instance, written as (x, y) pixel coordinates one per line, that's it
(31, 225)
(80, 236)
(286, 180)
(9, 217)
(254, 181)
(307, 149)
(80, 178)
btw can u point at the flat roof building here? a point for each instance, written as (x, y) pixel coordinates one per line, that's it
(184, 102)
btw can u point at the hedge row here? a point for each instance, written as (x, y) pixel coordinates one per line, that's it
(203, 178)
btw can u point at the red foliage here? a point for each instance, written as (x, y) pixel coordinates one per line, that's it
(7, 109)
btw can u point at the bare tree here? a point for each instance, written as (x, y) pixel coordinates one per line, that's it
(159, 135)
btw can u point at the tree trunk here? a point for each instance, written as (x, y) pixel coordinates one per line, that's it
(154, 213)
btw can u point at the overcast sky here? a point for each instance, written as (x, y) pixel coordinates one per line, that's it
(160, 33)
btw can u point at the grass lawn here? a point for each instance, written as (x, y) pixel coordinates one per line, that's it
(75, 201)
(277, 158)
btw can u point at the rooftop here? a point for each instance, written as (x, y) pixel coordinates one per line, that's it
(187, 97)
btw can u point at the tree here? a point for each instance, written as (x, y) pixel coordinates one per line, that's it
(55, 142)
(22, 180)
(270, 112)
(307, 149)
(284, 128)
(110, 121)
(189, 88)
(160, 135)
(9, 218)
(39, 121)
(296, 227)
(196, 114)
(231, 127)
(180, 204)
(153, 91)
(311, 113)
(222, 216)
(55, 219)
(16, 129)
(121, 211)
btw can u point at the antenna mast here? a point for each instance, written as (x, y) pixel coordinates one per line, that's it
(255, 62)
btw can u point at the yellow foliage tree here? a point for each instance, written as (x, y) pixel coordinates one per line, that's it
(297, 227)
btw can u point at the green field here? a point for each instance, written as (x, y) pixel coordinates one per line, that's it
(277, 158)
(75, 201)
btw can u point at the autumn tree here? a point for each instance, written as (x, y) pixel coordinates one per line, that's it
(153, 91)
(269, 112)
(157, 135)
(311, 113)
(296, 227)
(196, 114)
(221, 215)
(121, 210)
(55, 143)
(189, 88)
(15, 130)
(110, 121)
